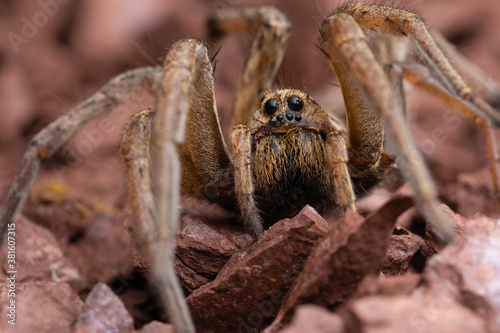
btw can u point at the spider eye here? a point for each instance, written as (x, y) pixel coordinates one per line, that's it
(271, 106)
(295, 103)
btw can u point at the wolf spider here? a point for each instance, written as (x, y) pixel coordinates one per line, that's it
(291, 152)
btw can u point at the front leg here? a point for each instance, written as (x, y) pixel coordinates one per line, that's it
(336, 150)
(244, 180)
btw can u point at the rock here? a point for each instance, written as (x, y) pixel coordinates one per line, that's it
(248, 291)
(472, 193)
(156, 327)
(38, 256)
(394, 314)
(353, 248)
(433, 238)
(201, 252)
(203, 249)
(104, 312)
(391, 285)
(314, 319)
(42, 307)
(403, 246)
(53, 208)
(102, 251)
(468, 270)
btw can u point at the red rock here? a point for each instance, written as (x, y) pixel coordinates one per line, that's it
(353, 248)
(65, 217)
(156, 327)
(203, 249)
(472, 193)
(403, 246)
(38, 256)
(248, 291)
(104, 312)
(433, 238)
(314, 319)
(468, 270)
(42, 307)
(102, 252)
(391, 285)
(395, 314)
(190, 279)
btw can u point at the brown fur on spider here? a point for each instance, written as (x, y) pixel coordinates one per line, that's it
(291, 152)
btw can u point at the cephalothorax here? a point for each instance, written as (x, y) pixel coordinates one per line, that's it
(291, 152)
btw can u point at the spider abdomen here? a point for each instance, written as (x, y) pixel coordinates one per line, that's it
(290, 172)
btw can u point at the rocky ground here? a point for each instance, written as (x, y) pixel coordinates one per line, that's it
(379, 270)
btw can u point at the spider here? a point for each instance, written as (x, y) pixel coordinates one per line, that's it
(291, 152)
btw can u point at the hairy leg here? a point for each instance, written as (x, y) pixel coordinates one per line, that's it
(244, 182)
(420, 77)
(135, 154)
(401, 22)
(272, 31)
(52, 137)
(343, 39)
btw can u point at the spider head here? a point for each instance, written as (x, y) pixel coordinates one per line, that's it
(286, 109)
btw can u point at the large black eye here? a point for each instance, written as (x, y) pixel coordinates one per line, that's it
(295, 103)
(271, 106)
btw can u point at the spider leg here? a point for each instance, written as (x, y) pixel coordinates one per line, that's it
(243, 180)
(420, 77)
(266, 53)
(338, 158)
(343, 39)
(404, 23)
(135, 152)
(185, 132)
(52, 137)
(482, 84)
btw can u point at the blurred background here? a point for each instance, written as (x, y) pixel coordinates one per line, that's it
(55, 53)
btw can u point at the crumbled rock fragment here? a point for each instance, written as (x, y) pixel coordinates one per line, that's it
(314, 319)
(353, 248)
(42, 307)
(468, 270)
(201, 248)
(403, 246)
(38, 256)
(398, 313)
(248, 291)
(387, 285)
(433, 240)
(156, 327)
(104, 312)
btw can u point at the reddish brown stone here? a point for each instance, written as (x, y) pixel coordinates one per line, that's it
(37, 255)
(468, 270)
(203, 249)
(391, 285)
(353, 248)
(395, 314)
(156, 327)
(403, 246)
(65, 217)
(42, 307)
(102, 252)
(432, 237)
(314, 319)
(104, 312)
(472, 193)
(248, 291)
(190, 279)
